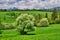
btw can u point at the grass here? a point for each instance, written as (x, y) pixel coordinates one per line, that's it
(33, 37)
(10, 20)
(41, 33)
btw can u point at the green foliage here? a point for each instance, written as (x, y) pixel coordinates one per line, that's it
(54, 14)
(37, 16)
(11, 14)
(57, 20)
(50, 20)
(37, 19)
(8, 26)
(1, 26)
(44, 22)
(0, 31)
(25, 23)
(4, 17)
(46, 15)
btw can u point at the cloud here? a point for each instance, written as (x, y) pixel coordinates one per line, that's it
(29, 4)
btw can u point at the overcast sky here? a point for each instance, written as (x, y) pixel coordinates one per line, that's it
(30, 4)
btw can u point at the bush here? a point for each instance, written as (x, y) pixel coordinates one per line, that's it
(50, 20)
(1, 29)
(11, 14)
(57, 20)
(54, 14)
(37, 19)
(1, 26)
(46, 16)
(44, 22)
(38, 24)
(8, 26)
(25, 23)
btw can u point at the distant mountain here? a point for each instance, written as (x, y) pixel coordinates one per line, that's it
(58, 8)
(14, 8)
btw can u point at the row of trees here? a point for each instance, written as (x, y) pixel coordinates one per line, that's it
(47, 10)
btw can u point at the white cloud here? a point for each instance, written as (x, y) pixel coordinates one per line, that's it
(30, 4)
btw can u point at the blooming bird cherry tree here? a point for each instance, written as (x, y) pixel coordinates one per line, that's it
(25, 23)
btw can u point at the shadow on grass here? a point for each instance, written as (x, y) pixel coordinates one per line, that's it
(28, 34)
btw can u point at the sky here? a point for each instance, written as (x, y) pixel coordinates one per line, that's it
(29, 4)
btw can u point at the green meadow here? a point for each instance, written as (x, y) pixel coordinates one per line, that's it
(10, 20)
(52, 32)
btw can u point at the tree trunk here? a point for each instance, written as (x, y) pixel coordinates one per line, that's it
(23, 32)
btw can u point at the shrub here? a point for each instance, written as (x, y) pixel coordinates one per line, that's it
(12, 15)
(57, 20)
(4, 17)
(1, 26)
(54, 14)
(38, 24)
(37, 19)
(25, 23)
(44, 22)
(8, 26)
(50, 20)
(46, 16)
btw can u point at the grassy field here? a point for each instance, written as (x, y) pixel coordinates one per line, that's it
(10, 20)
(41, 33)
(47, 33)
